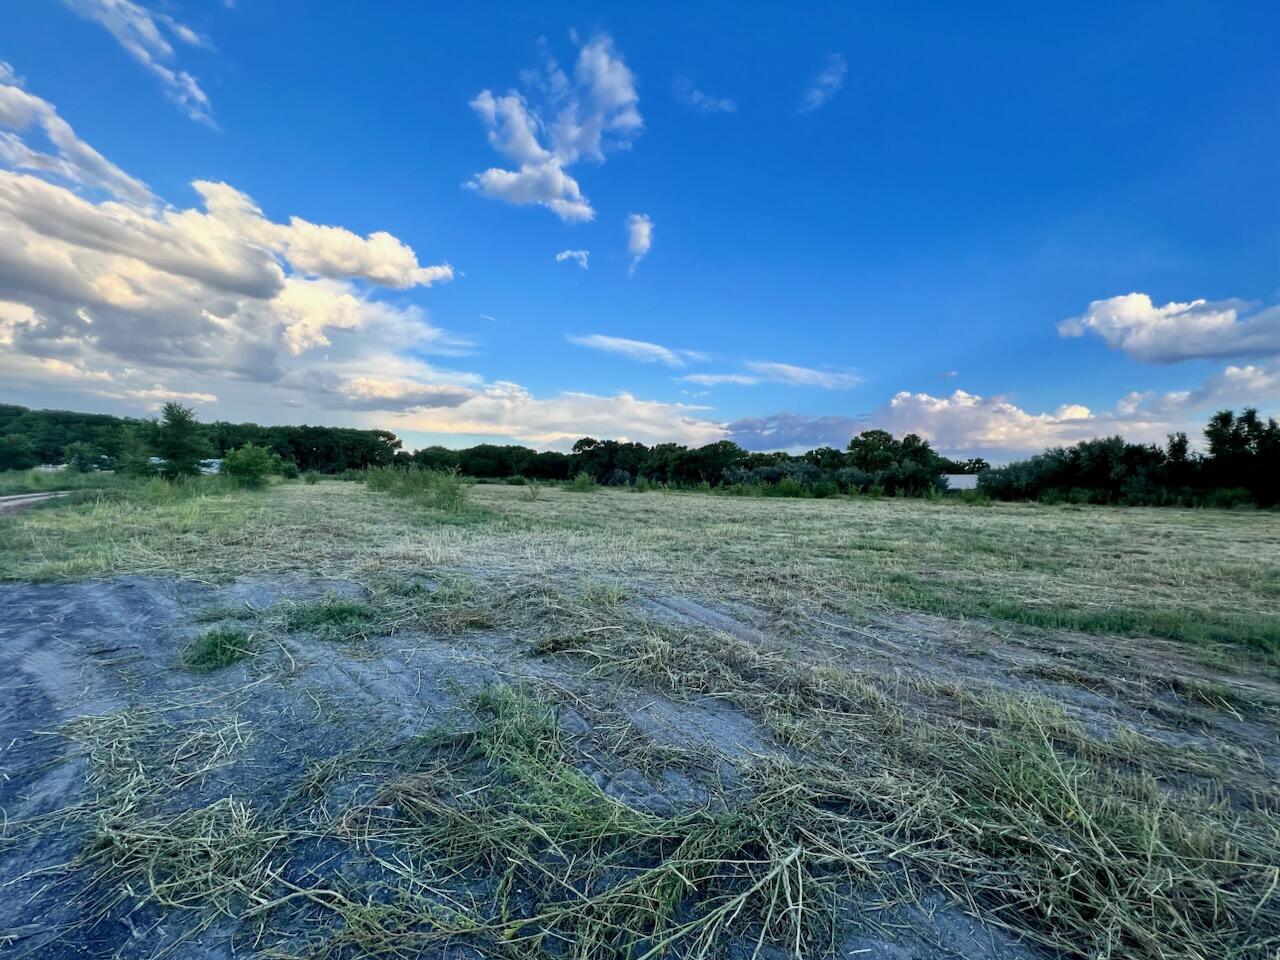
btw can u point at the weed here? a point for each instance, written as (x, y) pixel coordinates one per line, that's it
(331, 619)
(219, 647)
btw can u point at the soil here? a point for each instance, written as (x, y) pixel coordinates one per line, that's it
(75, 650)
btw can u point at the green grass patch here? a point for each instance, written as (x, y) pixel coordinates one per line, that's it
(1189, 624)
(219, 647)
(331, 619)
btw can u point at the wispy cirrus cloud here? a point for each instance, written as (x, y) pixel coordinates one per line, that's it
(580, 257)
(685, 92)
(718, 379)
(641, 350)
(144, 34)
(803, 376)
(825, 84)
(72, 160)
(558, 121)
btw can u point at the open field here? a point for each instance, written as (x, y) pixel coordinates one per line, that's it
(322, 721)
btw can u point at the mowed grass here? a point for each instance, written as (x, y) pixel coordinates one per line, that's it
(1202, 576)
(872, 781)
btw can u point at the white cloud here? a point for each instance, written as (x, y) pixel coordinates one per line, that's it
(635, 349)
(568, 120)
(715, 379)
(995, 426)
(509, 410)
(639, 237)
(73, 160)
(130, 299)
(825, 84)
(579, 257)
(803, 376)
(1179, 331)
(142, 34)
(691, 96)
(319, 250)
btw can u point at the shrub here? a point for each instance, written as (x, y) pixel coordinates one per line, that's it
(311, 477)
(582, 483)
(790, 487)
(287, 469)
(535, 491)
(826, 488)
(249, 466)
(82, 457)
(442, 489)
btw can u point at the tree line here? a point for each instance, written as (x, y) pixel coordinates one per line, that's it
(1241, 462)
(874, 461)
(1240, 465)
(29, 438)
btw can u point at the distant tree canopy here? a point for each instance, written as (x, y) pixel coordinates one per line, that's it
(32, 437)
(1241, 465)
(875, 460)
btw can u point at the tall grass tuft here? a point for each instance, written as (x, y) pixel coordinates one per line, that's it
(582, 483)
(441, 489)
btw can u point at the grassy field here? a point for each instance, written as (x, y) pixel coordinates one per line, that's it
(1061, 721)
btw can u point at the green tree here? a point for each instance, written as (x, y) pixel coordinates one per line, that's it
(17, 453)
(82, 457)
(134, 458)
(179, 441)
(250, 465)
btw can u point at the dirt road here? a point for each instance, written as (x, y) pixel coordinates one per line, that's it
(22, 501)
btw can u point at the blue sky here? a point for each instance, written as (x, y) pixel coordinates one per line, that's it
(1001, 227)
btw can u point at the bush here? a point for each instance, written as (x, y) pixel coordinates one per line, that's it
(790, 487)
(287, 469)
(582, 483)
(442, 489)
(249, 466)
(826, 488)
(311, 477)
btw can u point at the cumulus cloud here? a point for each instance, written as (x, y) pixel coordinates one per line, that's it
(144, 34)
(1200, 329)
(129, 297)
(559, 121)
(825, 84)
(803, 376)
(691, 96)
(634, 349)
(579, 257)
(639, 237)
(963, 422)
(133, 300)
(69, 158)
